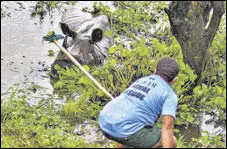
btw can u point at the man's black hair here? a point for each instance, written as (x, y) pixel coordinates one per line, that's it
(168, 68)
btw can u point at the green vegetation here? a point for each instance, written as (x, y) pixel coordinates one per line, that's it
(48, 124)
(206, 141)
(41, 125)
(51, 53)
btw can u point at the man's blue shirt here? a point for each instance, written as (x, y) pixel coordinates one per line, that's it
(140, 104)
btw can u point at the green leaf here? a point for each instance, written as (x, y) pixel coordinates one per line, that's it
(184, 107)
(86, 67)
(110, 77)
(57, 67)
(219, 90)
(203, 100)
(13, 94)
(197, 91)
(221, 102)
(113, 62)
(84, 80)
(50, 33)
(224, 93)
(190, 118)
(100, 93)
(176, 130)
(182, 115)
(51, 53)
(36, 86)
(132, 11)
(124, 28)
(108, 33)
(112, 50)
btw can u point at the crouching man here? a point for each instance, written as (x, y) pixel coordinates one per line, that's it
(130, 118)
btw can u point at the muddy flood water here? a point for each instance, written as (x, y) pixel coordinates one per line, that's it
(24, 56)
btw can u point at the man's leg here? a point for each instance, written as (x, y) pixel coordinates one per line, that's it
(145, 138)
(174, 142)
(121, 146)
(159, 144)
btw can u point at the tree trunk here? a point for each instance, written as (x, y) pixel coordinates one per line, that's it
(191, 26)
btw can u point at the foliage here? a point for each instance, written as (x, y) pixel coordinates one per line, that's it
(51, 53)
(134, 20)
(41, 125)
(181, 143)
(206, 141)
(81, 110)
(209, 141)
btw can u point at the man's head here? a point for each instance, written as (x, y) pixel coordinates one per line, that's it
(168, 68)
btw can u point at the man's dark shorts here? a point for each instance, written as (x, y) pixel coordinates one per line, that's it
(147, 137)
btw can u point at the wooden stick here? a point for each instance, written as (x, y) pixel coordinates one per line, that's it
(82, 69)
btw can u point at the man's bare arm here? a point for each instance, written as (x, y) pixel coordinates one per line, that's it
(167, 137)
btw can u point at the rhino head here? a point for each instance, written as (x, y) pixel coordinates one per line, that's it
(85, 38)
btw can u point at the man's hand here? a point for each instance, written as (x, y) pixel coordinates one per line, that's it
(168, 139)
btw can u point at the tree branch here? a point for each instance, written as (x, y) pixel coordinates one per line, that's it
(218, 11)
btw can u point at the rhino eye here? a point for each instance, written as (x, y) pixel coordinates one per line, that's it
(97, 35)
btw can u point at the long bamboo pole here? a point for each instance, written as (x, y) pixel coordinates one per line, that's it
(82, 69)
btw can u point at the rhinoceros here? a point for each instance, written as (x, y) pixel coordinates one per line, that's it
(85, 38)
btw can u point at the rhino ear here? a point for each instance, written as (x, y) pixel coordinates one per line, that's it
(66, 30)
